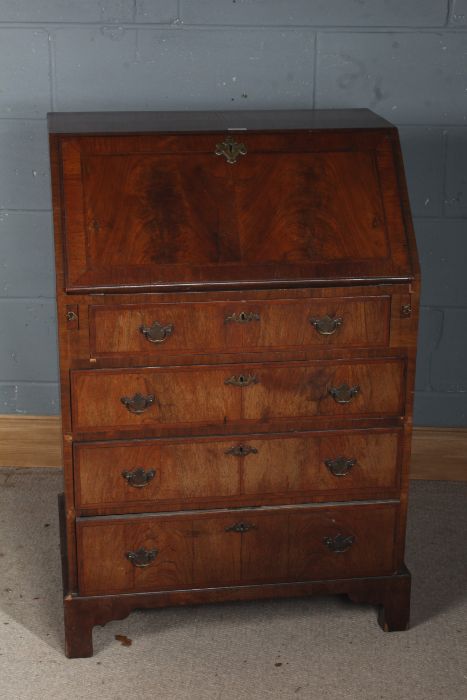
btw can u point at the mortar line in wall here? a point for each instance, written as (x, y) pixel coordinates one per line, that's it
(21, 382)
(52, 70)
(29, 300)
(315, 70)
(449, 9)
(445, 172)
(441, 219)
(22, 119)
(354, 29)
(6, 210)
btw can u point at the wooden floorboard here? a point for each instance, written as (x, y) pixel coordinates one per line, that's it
(35, 441)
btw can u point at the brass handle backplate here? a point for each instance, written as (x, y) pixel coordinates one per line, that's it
(240, 527)
(326, 325)
(139, 477)
(242, 317)
(156, 333)
(242, 380)
(344, 393)
(230, 149)
(241, 451)
(137, 403)
(339, 543)
(142, 557)
(340, 466)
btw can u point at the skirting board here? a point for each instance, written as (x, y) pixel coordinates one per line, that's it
(35, 441)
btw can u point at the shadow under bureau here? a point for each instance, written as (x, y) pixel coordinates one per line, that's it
(237, 303)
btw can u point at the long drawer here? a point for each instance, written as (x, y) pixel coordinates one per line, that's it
(133, 329)
(155, 475)
(150, 553)
(256, 393)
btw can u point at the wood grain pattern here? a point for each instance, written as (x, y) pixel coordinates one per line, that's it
(154, 211)
(193, 396)
(282, 544)
(115, 330)
(198, 473)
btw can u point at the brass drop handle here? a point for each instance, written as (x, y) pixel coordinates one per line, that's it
(139, 477)
(240, 527)
(242, 317)
(142, 557)
(241, 451)
(242, 380)
(157, 333)
(344, 393)
(137, 403)
(327, 325)
(339, 543)
(230, 149)
(340, 466)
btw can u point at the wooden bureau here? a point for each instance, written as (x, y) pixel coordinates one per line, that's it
(237, 302)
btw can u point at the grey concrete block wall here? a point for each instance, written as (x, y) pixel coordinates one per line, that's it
(407, 61)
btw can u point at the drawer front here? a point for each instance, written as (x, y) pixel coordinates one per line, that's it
(196, 396)
(241, 547)
(226, 326)
(156, 475)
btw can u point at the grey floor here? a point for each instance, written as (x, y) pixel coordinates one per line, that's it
(324, 648)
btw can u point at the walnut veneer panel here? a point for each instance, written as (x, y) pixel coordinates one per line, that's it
(196, 396)
(156, 210)
(251, 546)
(242, 325)
(196, 472)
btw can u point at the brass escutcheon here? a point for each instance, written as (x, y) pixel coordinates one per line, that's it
(230, 149)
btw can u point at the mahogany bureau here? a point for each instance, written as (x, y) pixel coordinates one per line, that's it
(237, 304)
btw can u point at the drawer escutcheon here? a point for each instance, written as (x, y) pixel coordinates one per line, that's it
(242, 317)
(241, 451)
(242, 380)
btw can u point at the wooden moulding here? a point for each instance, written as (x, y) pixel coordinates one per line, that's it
(35, 441)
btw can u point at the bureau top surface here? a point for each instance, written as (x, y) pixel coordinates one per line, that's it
(212, 121)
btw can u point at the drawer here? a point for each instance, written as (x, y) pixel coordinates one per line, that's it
(159, 475)
(242, 547)
(241, 325)
(256, 393)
